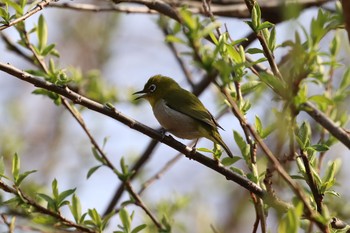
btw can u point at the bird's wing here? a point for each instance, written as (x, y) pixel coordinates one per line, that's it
(194, 107)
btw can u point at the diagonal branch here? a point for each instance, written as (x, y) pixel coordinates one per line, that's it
(42, 209)
(115, 114)
(36, 9)
(135, 169)
(81, 122)
(327, 123)
(139, 202)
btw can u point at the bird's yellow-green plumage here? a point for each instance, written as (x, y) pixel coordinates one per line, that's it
(180, 112)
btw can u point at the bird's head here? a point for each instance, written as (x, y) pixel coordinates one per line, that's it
(156, 88)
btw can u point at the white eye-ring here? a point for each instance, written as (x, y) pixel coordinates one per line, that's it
(152, 88)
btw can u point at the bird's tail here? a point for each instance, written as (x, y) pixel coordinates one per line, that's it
(218, 140)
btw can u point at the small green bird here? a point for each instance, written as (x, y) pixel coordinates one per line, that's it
(179, 111)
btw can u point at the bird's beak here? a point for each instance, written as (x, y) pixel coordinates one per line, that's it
(141, 96)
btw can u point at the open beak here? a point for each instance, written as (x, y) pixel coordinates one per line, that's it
(141, 96)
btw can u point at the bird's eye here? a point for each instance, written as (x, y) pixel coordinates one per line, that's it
(152, 88)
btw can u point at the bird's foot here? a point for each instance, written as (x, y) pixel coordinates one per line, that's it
(194, 149)
(163, 132)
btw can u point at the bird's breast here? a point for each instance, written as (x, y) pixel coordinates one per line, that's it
(175, 122)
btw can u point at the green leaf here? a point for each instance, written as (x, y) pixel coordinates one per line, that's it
(42, 33)
(13, 201)
(256, 16)
(139, 228)
(44, 220)
(345, 82)
(22, 176)
(23, 3)
(52, 95)
(272, 39)
(239, 140)
(258, 125)
(291, 221)
(237, 170)
(5, 14)
(174, 39)
(243, 146)
(332, 192)
(75, 208)
(320, 147)
(202, 149)
(303, 136)
(188, 20)
(332, 169)
(125, 219)
(54, 186)
(208, 29)
(335, 45)
(254, 51)
(96, 219)
(14, 5)
(274, 83)
(250, 86)
(48, 199)
(265, 25)
(228, 161)
(48, 49)
(2, 166)
(15, 167)
(92, 171)
(320, 100)
(63, 195)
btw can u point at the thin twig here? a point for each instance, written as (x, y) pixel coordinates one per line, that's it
(81, 122)
(38, 58)
(95, 8)
(135, 170)
(277, 165)
(318, 197)
(179, 60)
(38, 7)
(13, 47)
(327, 123)
(10, 224)
(161, 172)
(157, 5)
(139, 202)
(42, 209)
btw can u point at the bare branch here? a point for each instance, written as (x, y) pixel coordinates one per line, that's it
(96, 8)
(157, 5)
(157, 176)
(318, 197)
(135, 169)
(81, 122)
(139, 202)
(327, 123)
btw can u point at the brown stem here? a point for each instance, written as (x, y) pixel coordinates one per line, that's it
(318, 197)
(140, 203)
(327, 123)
